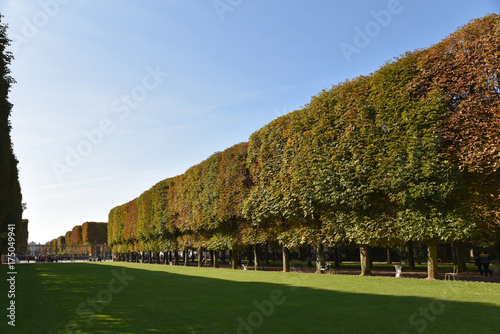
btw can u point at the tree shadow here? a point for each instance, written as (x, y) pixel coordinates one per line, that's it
(119, 299)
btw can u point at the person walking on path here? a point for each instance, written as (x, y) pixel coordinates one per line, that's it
(485, 261)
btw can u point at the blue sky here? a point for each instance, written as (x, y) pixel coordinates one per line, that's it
(114, 96)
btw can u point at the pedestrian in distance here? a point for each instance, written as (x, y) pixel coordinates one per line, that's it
(485, 261)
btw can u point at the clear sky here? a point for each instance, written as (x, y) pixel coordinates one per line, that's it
(113, 96)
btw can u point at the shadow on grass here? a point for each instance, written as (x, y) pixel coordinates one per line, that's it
(89, 298)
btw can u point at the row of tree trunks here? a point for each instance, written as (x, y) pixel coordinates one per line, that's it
(432, 260)
(365, 259)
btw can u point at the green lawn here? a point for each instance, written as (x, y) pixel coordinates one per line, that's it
(143, 298)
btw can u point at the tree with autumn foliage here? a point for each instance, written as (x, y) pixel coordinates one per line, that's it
(94, 233)
(465, 70)
(234, 183)
(211, 200)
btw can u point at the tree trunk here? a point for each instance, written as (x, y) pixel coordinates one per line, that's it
(419, 251)
(200, 257)
(267, 254)
(320, 258)
(234, 259)
(432, 260)
(186, 257)
(411, 259)
(388, 255)
(309, 256)
(459, 253)
(364, 254)
(157, 254)
(256, 257)
(286, 260)
(249, 252)
(176, 258)
(336, 255)
(216, 259)
(497, 246)
(454, 254)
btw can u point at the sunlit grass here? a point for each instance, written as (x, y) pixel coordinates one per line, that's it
(143, 298)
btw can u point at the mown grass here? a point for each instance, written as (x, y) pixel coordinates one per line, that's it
(144, 298)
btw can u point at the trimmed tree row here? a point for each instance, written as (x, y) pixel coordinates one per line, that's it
(80, 238)
(407, 154)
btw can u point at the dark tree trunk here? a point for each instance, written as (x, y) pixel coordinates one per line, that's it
(419, 251)
(249, 252)
(216, 259)
(286, 260)
(223, 257)
(411, 259)
(176, 258)
(336, 256)
(186, 257)
(309, 256)
(497, 244)
(460, 256)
